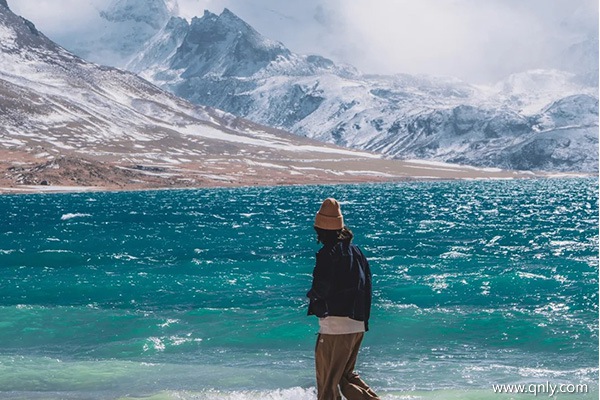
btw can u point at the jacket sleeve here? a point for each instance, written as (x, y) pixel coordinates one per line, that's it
(368, 299)
(368, 289)
(322, 277)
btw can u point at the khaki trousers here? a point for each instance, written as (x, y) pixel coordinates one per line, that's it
(335, 358)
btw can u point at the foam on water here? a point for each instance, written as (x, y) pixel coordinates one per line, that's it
(310, 394)
(68, 216)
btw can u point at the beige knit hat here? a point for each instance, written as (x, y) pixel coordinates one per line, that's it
(330, 216)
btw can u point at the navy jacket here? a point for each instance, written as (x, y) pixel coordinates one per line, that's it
(341, 284)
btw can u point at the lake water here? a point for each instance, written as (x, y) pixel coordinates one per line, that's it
(200, 294)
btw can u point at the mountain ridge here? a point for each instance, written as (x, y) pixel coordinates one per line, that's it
(312, 96)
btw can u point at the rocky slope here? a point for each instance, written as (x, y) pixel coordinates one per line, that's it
(220, 61)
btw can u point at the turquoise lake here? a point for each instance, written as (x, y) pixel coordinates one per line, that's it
(200, 294)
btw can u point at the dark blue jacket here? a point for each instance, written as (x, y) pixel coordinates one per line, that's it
(341, 284)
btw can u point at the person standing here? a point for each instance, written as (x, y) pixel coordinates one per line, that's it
(340, 296)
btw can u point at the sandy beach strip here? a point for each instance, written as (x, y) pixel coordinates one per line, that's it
(27, 174)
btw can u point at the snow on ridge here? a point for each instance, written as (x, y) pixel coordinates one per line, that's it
(7, 37)
(331, 150)
(449, 166)
(209, 132)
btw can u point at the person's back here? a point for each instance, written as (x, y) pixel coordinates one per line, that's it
(340, 296)
(346, 270)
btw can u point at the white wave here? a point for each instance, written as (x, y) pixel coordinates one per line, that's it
(124, 256)
(493, 241)
(295, 393)
(248, 215)
(73, 215)
(529, 275)
(298, 393)
(454, 254)
(168, 322)
(178, 340)
(155, 344)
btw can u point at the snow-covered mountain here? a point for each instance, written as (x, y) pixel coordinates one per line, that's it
(120, 30)
(64, 120)
(222, 46)
(222, 62)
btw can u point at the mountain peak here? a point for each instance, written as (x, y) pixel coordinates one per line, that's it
(225, 45)
(233, 20)
(228, 14)
(227, 18)
(207, 14)
(151, 12)
(121, 29)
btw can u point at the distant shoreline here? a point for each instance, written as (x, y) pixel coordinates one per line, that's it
(25, 173)
(62, 189)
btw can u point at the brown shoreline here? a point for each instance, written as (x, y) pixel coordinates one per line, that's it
(56, 189)
(23, 173)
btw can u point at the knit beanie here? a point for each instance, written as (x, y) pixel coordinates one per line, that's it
(330, 216)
